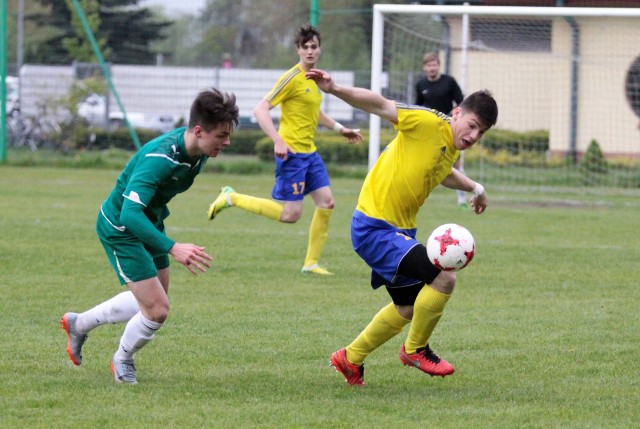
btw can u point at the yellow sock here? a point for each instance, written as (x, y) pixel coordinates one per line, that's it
(384, 326)
(262, 206)
(318, 232)
(427, 311)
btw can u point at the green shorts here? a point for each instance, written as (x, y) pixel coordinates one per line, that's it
(130, 258)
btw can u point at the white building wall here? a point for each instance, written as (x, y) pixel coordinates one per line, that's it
(533, 89)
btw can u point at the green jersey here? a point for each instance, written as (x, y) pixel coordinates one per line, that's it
(137, 206)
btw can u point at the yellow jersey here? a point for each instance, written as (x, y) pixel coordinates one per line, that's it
(416, 161)
(299, 99)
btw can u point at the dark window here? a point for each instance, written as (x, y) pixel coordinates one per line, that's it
(511, 35)
(632, 86)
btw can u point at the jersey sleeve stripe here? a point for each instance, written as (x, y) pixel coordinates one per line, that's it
(284, 81)
(161, 155)
(427, 109)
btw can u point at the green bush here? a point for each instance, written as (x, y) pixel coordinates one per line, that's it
(81, 136)
(516, 142)
(333, 147)
(248, 166)
(593, 165)
(243, 142)
(90, 138)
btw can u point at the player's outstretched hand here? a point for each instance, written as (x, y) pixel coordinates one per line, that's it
(352, 135)
(322, 79)
(191, 256)
(479, 203)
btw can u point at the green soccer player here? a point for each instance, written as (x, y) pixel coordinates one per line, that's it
(131, 228)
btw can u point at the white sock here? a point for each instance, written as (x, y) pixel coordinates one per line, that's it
(120, 308)
(138, 332)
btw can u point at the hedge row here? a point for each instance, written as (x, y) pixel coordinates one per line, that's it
(332, 146)
(88, 138)
(515, 142)
(243, 142)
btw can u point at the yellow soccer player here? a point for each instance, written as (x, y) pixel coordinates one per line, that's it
(299, 168)
(383, 227)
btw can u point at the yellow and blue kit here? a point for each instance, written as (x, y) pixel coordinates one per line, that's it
(303, 172)
(418, 159)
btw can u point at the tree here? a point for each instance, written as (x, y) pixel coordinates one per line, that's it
(79, 46)
(593, 165)
(131, 31)
(255, 34)
(127, 31)
(260, 34)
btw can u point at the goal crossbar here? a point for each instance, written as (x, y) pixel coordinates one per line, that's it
(379, 10)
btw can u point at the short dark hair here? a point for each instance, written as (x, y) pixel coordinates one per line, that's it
(483, 105)
(306, 33)
(213, 107)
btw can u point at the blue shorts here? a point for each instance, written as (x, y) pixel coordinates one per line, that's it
(382, 246)
(299, 175)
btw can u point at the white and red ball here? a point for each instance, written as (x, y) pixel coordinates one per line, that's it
(450, 247)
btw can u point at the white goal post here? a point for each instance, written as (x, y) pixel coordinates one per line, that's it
(572, 72)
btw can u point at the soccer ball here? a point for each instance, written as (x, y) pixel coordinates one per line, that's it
(450, 247)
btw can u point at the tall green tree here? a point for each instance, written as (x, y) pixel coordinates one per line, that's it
(79, 46)
(260, 34)
(127, 29)
(256, 34)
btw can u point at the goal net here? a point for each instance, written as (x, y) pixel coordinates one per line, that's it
(567, 82)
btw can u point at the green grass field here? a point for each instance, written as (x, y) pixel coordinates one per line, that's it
(543, 328)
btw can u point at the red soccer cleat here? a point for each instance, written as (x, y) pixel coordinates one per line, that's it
(354, 374)
(426, 361)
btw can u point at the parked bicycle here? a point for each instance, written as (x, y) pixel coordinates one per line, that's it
(41, 130)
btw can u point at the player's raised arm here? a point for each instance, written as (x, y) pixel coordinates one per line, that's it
(360, 98)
